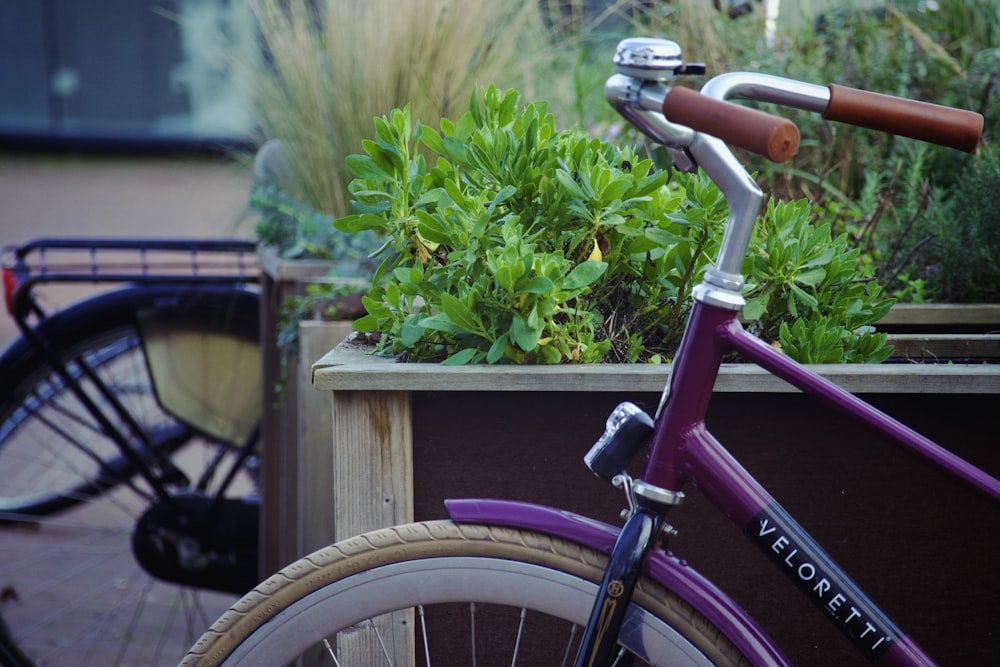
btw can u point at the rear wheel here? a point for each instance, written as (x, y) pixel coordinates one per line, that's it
(71, 590)
(438, 594)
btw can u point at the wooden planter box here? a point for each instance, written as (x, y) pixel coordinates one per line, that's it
(405, 436)
(295, 415)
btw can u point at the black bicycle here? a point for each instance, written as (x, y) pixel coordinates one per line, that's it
(129, 425)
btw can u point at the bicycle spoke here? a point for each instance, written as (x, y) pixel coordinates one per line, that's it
(89, 545)
(176, 607)
(423, 631)
(58, 461)
(472, 619)
(517, 642)
(381, 643)
(619, 658)
(197, 618)
(74, 417)
(329, 649)
(133, 622)
(568, 655)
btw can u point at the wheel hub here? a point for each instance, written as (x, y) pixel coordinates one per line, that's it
(202, 542)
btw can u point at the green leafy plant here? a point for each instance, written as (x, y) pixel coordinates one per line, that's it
(508, 240)
(954, 252)
(298, 231)
(801, 274)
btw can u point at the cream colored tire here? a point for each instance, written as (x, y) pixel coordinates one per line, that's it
(338, 588)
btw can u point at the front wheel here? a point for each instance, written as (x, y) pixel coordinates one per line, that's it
(440, 593)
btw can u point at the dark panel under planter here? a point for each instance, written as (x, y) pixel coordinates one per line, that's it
(923, 547)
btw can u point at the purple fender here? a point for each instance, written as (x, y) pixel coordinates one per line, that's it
(669, 571)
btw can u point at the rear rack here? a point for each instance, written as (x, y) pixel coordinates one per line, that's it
(130, 260)
(113, 260)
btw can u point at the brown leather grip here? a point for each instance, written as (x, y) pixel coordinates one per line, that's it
(936, 124)
(774, 137)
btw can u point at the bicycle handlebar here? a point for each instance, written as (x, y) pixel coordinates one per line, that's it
(774, 137)
(696, 127)
(645, 68)
(954, 128)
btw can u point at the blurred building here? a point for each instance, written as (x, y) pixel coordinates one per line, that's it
(117, 72)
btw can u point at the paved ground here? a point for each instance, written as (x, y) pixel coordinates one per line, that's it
(130, 196)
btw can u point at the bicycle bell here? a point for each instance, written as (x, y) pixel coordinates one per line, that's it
(652, 59)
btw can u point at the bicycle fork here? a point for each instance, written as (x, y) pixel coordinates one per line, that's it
(599, 646)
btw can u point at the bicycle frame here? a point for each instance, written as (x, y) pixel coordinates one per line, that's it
(682, 449)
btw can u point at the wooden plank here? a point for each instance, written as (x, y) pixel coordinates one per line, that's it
(280, 529)
(922, 347)
(350, 367)
(942, 314)
(313, 497)
(270, 560)
(306, 270)
(283, 270)
(373, 484)
(372, 460)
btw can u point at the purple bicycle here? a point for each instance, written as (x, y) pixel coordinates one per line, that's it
(597, 594)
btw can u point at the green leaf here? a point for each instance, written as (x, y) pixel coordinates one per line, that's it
(411, 334)
(661, 237)
(642, 245)
(433, 229)
(441, 322)
(455, 150)
(360, 223)
(537, 285)
(375, 307)
(363, 166)
(525, 336)
(498, 349)
(755, 307)
(803, 296)
(566, 180)
(550, 354)
(392, 295)
(432, 139)
(367, 324)
(461, 357)
(616, 189)
(458, 313)
(584, 274)
(826, 256)
(505, 193)
(812, 277)
(651, 183)
(454, 191)
(504, 277)
(378, 208)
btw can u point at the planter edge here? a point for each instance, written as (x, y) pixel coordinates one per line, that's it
(350, 366)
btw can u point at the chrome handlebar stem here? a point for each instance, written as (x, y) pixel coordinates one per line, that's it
(645, 68)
